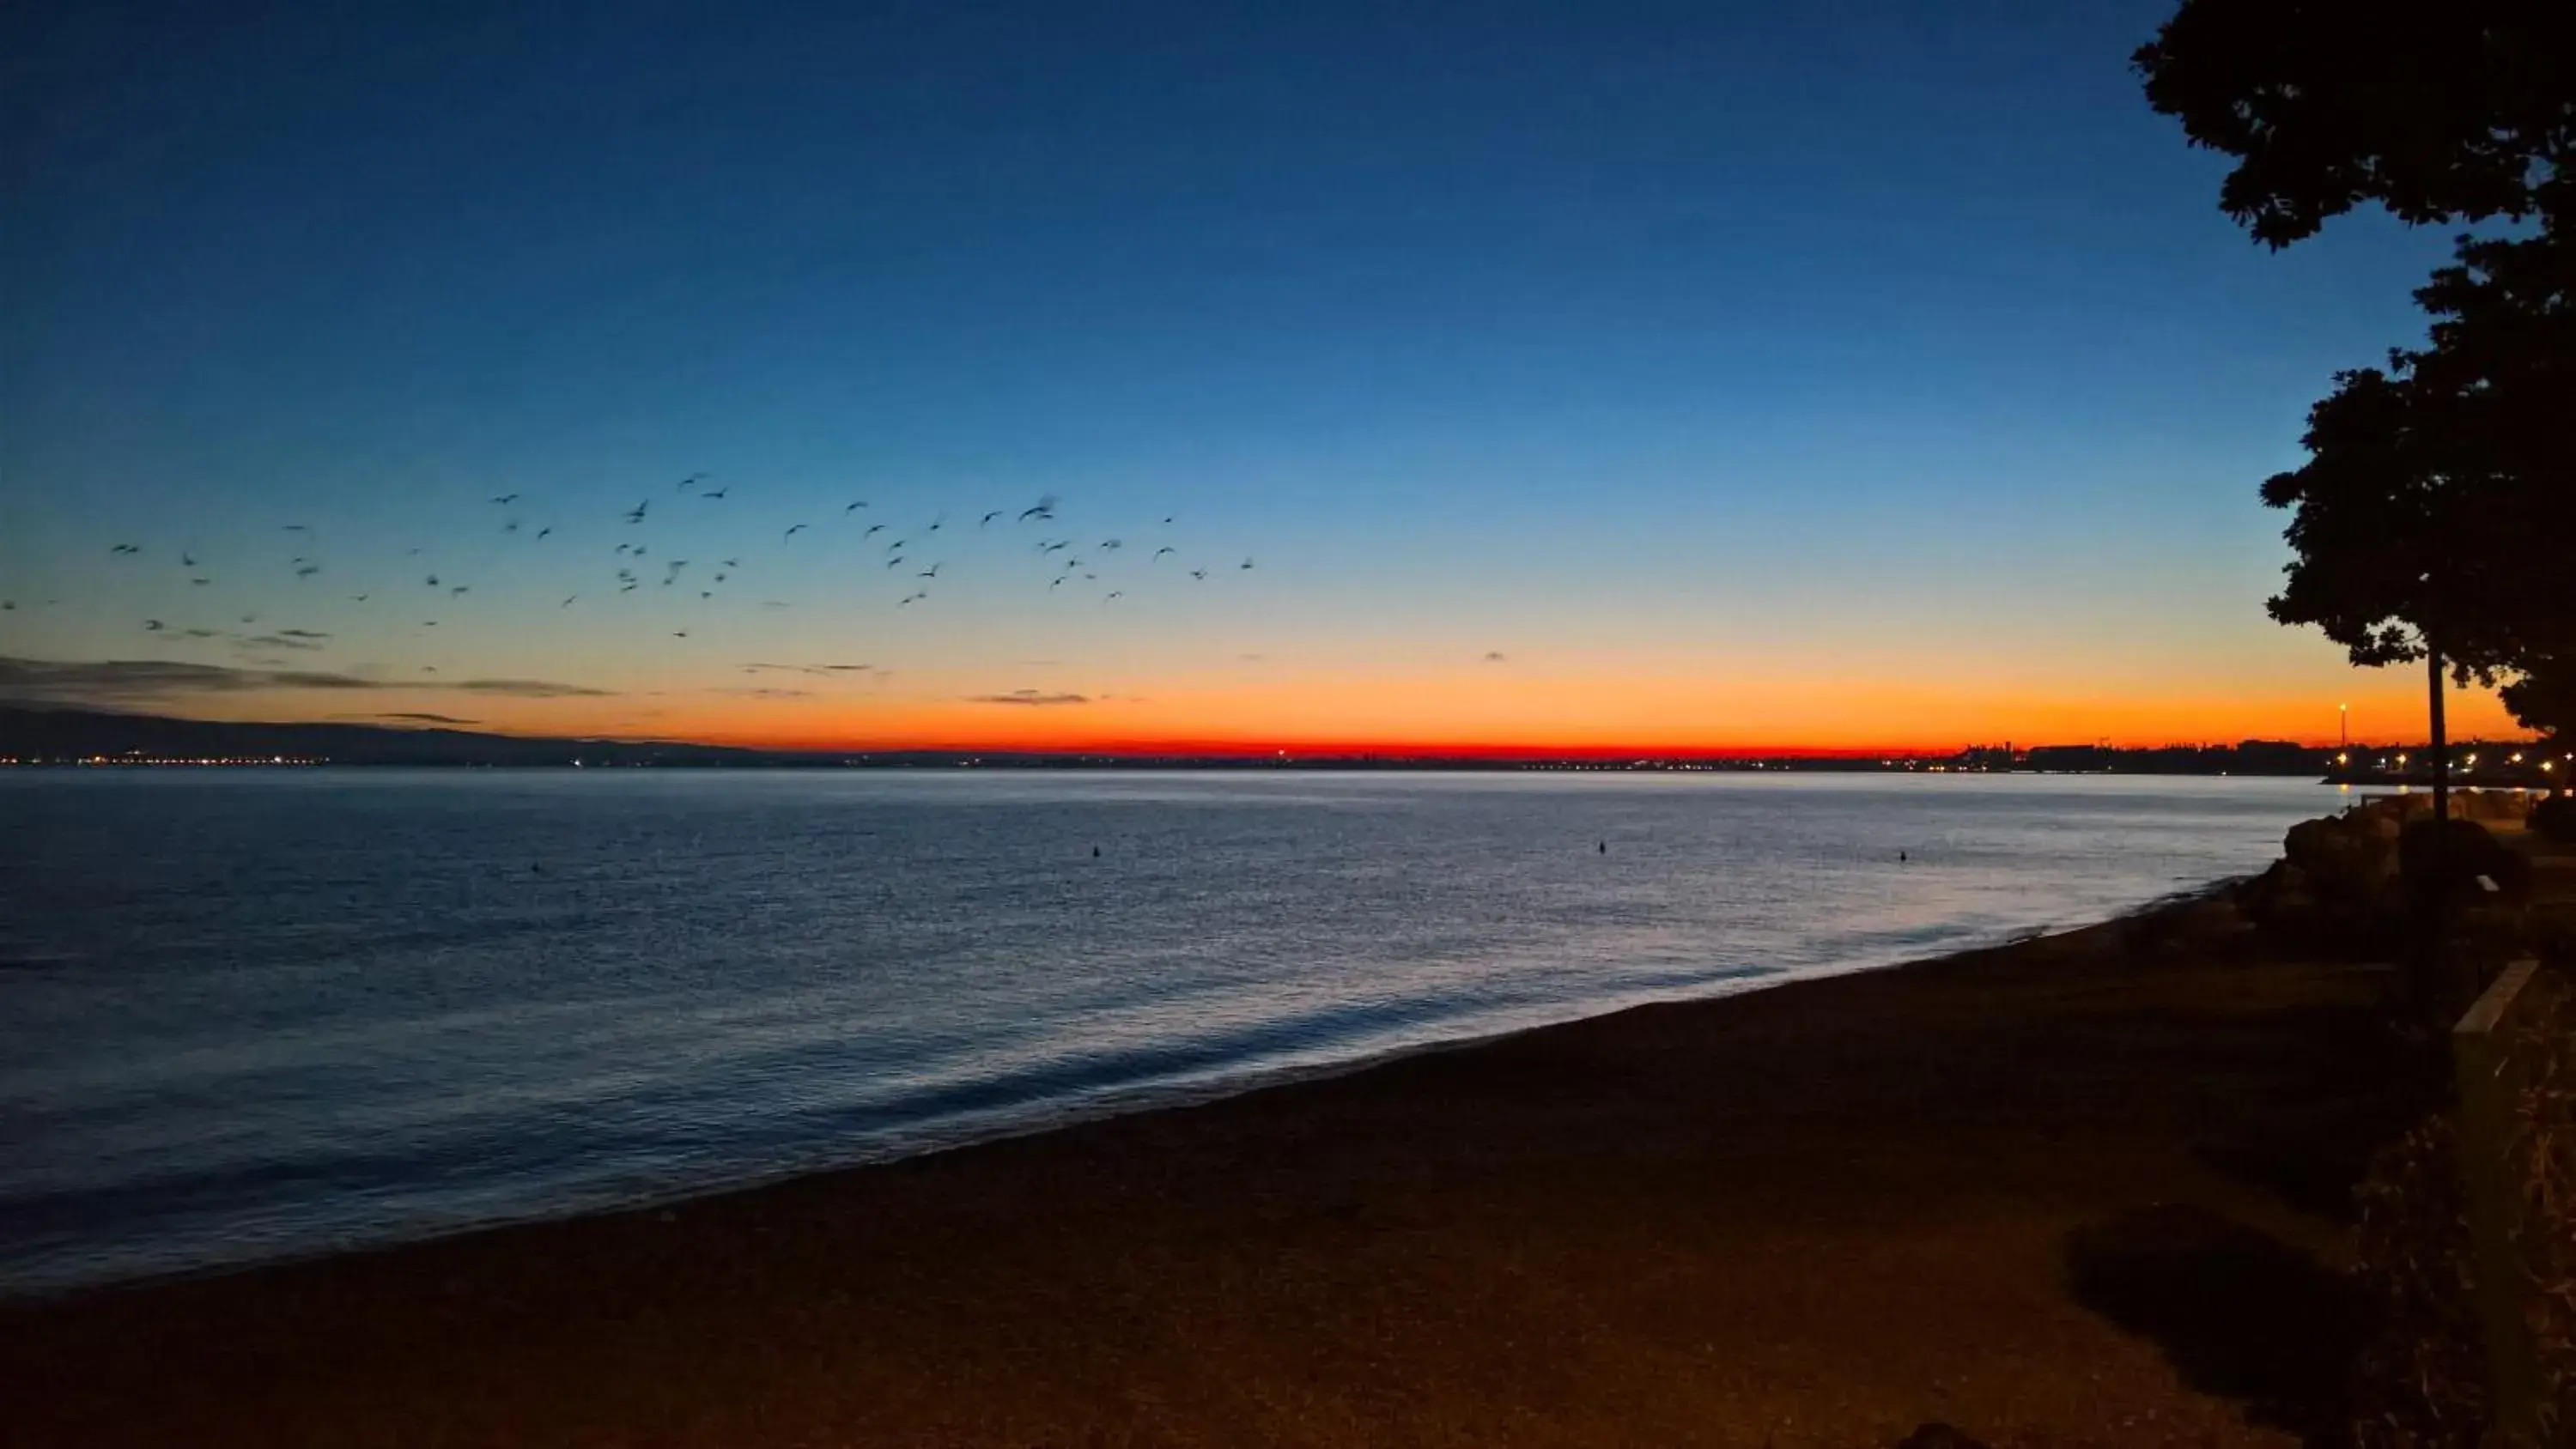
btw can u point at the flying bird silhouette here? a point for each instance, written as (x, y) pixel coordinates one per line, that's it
(460, 591)
(679, 633)
(510, 527)
(152, 626)
(793, 529)
(199, 583)
(987, 519)
(1111, 545)
(685, 482)
(187, 560)
(1167, 548)
(433, 581)
(1115, 594)
(126, 548)
(1247, 563)
(567, 603)
(542, 532)
(506, 499)
(357, 598)
(717, 492)
(308, 571)
(636, 514)
(931, 572)
(1045, 509)
(1200, 574)
(855, 507)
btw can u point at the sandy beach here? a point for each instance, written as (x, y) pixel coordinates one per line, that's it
(2083, 1190)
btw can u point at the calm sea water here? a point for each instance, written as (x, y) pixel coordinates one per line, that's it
(246, 1015)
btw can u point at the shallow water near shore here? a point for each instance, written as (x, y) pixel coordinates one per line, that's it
(249, 1015)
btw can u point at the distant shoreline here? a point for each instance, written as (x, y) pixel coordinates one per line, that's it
(78, 738)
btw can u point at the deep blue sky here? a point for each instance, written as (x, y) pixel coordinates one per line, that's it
(1762, 347)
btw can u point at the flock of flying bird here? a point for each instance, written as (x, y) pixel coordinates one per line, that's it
(1065, 564)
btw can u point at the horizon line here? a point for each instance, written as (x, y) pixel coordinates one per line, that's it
(1312, 749)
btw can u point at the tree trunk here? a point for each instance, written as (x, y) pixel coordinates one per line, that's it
(2441, 751)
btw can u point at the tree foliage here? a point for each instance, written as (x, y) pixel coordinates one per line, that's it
(2438, 505)
(2442, 113)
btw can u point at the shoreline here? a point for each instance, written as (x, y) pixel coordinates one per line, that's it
(1130, 1099)
(1477, 1239)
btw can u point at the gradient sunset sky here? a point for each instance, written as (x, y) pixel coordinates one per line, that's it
(1659, 376)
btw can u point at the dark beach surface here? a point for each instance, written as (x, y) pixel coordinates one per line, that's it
(2086, 1189)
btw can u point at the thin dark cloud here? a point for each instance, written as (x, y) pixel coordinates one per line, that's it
(815, 669)
(113, 682)
(118, 682)
(288, 640)
(302, 634)
(407, 716)
(1028, 696)
(531, 689)
(1493, 656)
(765, 693)
(1251, 658)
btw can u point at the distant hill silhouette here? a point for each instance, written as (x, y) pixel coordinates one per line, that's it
(70, 734)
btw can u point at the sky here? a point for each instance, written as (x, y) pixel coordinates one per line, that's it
(1677, 377)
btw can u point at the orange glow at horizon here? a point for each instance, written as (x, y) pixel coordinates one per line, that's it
(1467, 714)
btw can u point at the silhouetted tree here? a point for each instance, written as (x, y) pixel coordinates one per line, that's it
(2545, 697)
(2436, 514)
(2441, 113)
